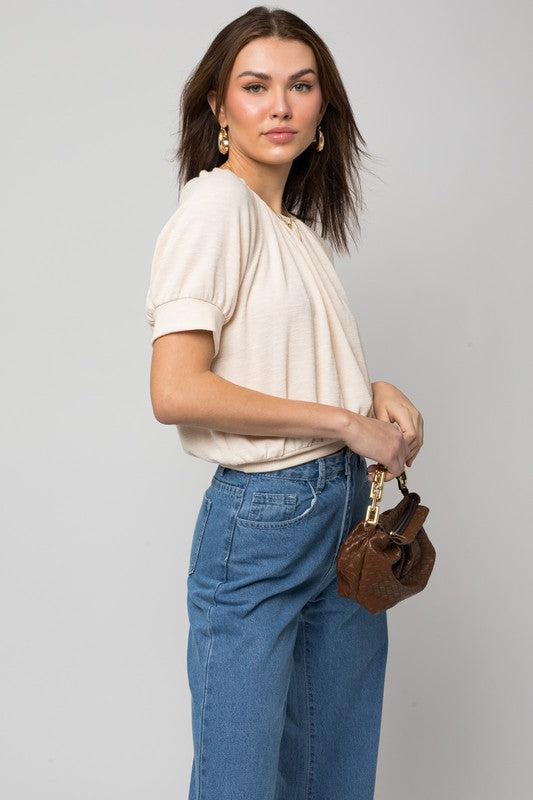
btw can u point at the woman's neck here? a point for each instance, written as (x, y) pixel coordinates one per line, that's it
(268, 182)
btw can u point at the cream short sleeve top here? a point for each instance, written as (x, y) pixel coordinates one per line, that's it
(280, 317)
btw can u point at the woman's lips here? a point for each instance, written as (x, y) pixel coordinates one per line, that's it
(280, 136)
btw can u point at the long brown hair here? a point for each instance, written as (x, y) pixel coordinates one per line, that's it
(323, 184)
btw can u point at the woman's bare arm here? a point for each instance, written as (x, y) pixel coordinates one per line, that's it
(185, 391)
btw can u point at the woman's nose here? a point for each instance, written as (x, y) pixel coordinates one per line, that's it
(280, 105)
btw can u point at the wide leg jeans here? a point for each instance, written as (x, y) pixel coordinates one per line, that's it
(286, 676)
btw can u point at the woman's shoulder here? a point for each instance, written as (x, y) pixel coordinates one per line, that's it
(217, 187)
(215, 203)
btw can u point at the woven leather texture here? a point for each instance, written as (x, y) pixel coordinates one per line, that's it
(377, 567)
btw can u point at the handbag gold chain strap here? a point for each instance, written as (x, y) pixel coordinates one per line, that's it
(376, 493)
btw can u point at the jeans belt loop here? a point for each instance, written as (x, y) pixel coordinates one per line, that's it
(348, 460)
(321, 474)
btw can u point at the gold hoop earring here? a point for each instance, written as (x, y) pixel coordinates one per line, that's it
(223, 141)
(320, 145)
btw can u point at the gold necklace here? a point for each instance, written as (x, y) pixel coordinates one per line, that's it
(286, 219)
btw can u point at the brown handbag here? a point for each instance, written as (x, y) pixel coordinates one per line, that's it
(387, 556)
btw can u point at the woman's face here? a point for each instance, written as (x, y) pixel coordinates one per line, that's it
(283, 92)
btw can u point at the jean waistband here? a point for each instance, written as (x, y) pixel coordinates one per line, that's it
(317, 470)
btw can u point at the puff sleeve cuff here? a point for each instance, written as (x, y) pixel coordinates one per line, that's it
(200, 258)
(188, 313)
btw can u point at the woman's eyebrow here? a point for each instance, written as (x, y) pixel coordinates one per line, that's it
(264, 77)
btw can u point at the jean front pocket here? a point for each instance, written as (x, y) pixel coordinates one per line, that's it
(278, 502)
(198, 532)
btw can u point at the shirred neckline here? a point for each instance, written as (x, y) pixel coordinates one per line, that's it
(296, 220)
(288, 232)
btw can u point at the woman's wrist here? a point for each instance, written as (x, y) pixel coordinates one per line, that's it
(351, 426)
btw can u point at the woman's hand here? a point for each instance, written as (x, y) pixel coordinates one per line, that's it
(391, 405)
(381, 441)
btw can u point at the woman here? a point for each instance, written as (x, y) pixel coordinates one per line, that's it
(257, 360)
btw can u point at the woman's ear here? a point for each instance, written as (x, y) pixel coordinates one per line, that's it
(211, 99)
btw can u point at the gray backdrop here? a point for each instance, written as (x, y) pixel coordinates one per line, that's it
(99, 500)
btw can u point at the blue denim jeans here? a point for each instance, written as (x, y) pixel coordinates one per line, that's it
(286, 676)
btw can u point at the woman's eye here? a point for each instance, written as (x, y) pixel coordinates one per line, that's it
(252, 86)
